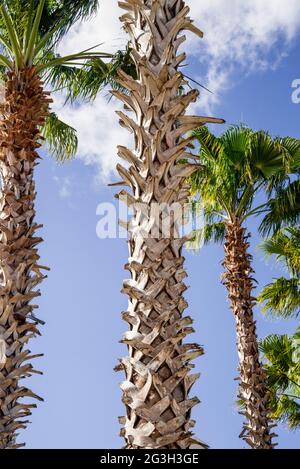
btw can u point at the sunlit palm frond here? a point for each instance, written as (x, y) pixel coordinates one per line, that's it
(281, 298)
(27, 48)
(65, 12)
(281, 354)
(61, 138)
(285, 245)
(211, 146)
(68, 12)
(236, 143)
(290, 148)
(209, 233)
(282, 209)
(265, 157)
(87, 81)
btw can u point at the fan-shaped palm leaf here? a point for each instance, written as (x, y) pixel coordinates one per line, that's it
(283, 209)
(281, 297)
(282, 365)
(62, 138)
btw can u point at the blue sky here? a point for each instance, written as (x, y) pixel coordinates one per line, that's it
(251, 72)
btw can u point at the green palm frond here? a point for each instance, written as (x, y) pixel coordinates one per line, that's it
(5, 63)
(277, 349)
(209, 233)
(33, 34)
(65, 12)
(245, 200)
(236, 144)
(2, 72)
(61, 138)
(211, 146)
(13, 40)
(282, 209)
(281, 297)
(62, 77)
(286, 409)
(28, 52)
(290, 148)
(89, 80)
(281, 362)
(285, 245)
(266, 158)
(217, 182)
(236, 165)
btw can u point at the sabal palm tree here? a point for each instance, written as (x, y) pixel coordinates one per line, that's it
(157, 369)
(236, 166)
(281, 298)
(27, 56)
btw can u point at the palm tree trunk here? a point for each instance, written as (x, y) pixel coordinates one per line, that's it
(23, 111)
(252, 390)
(158, 378)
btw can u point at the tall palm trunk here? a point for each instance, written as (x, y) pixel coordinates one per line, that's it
(23, 111)
(158, 378)
(252, 390)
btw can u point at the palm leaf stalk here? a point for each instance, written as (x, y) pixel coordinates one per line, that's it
(157, 368)
(237, 166)
(24, 111)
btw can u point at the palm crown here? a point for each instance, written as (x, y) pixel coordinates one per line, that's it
(24, 46)
(237, 165)
(30, 32)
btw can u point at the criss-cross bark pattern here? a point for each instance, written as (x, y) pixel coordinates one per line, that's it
(23, 111)
(158, 378)
(252, 389)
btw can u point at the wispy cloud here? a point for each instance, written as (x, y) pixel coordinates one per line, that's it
(98, 132)
(241, 37)
(64, 186)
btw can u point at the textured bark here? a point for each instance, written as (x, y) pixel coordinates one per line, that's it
(23, 111)
(158, 378)
(252, 389)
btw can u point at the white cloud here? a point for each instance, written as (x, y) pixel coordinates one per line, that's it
(104, 28)
(98, 132)
(65, 186)
(240, 36)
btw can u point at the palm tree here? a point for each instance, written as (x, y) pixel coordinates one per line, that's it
(76, 80)
(237, 165)
(281, 298)
(158, 380)
(27, 56)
